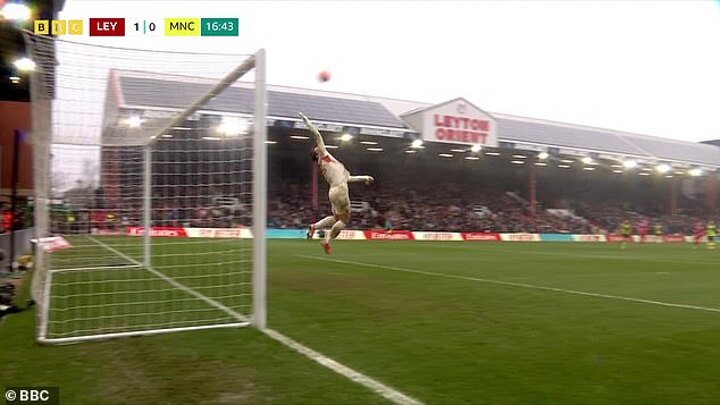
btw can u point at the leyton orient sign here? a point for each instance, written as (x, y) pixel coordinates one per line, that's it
(456, 121)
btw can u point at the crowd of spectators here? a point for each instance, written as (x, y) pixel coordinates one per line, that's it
(441, 208)
(438, 207)
(450, 207)
(610, 215)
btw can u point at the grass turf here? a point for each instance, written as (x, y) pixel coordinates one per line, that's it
(438, 339)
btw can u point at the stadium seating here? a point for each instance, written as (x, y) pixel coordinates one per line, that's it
(452, 208)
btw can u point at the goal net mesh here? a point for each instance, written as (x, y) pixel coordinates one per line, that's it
(144, 164)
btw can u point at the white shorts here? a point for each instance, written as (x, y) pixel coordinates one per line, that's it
(339, 199)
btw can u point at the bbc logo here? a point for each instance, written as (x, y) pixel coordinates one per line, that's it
(32, 395)
(59, 27)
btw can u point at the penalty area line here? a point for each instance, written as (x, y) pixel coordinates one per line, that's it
(519, 285)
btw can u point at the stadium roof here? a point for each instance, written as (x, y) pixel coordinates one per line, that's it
(281, 104)
(174, 92)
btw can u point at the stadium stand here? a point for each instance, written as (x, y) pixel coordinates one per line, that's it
(419, 191)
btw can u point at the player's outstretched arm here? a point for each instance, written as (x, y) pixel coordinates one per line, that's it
(364, 179)
(316, 134)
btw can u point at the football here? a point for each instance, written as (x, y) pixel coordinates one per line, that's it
(324, 76)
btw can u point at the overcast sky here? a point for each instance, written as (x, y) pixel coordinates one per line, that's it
(645, 67)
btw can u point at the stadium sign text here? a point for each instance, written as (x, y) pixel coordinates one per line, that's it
(461, 129)
(457, 121)
(481, 236)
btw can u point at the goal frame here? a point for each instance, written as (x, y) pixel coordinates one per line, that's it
(42, 139)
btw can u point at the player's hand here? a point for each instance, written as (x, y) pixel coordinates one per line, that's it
(369, 179)
(309, 124)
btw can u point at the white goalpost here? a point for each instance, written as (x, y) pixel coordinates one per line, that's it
(152, 165)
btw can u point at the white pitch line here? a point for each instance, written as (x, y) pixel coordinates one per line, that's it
(607, 257)
(379, 388)
(373, 385)
(589, 256)
(521, 285)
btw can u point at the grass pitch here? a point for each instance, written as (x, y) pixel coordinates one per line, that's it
(445, 323)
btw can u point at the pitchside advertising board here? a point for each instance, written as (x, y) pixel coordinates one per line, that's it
(58, 243)
(456, 121)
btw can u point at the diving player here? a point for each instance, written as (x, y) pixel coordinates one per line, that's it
(338, 178)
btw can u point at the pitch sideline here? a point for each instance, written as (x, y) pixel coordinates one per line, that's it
(520, 285)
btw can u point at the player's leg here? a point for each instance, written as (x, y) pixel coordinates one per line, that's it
(341, 210)
(340, 199)
(343, 219)
(339, 225)
(324, 223)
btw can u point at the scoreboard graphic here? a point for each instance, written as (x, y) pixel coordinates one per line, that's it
(120, 27)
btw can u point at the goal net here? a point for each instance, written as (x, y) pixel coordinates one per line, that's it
(151, 166)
